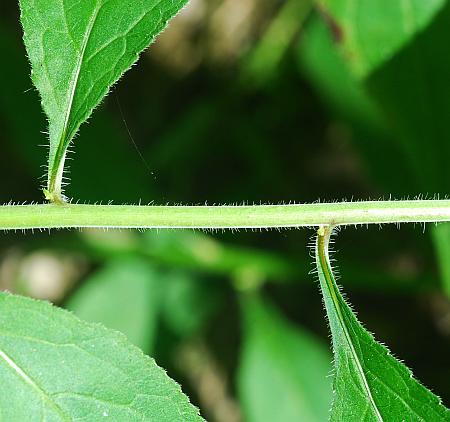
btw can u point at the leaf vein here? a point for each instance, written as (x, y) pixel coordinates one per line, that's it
(28, 380)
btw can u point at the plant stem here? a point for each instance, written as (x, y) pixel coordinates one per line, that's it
(46, 216)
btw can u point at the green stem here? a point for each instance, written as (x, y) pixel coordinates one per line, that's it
(45, 216)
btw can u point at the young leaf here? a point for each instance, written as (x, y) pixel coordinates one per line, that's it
(131, 285)
(56, 367)
(78, 49)
(369, 383)
(283, 374)
(373, 31)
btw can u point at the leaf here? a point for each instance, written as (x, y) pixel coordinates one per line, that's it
(78, 49)
(129, 285)
(369, 383)
(414, 94)
(283, 373)
(371, 32)
(56, 367)
(345, 95)
(327, 70)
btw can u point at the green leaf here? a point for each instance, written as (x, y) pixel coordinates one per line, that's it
(345, 95)
(129, 285)
(78, 50)
(103, 133)
(369, 383)
(326, 68)
(56, 367)
(414, 94)
(283, 374)
(371, 32)
(412, 98)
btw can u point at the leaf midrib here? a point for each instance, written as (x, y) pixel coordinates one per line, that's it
(322, 252)
(73, 87)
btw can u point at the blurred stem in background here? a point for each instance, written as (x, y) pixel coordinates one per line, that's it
(263, 61)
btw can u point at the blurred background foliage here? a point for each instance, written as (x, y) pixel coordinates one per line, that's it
(247, 101)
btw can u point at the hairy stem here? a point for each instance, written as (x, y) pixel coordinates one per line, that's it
(334, 305)
(44, 216)
(53, 193)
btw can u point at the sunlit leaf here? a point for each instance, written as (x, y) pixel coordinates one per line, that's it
(345, 95)
(412, 90)
(283, 374)
(78, 49)
(371, 32)
(369, 383)
(56, 367)
(326, 68)
(349, 100)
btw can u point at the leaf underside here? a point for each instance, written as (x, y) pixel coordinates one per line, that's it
(369, 383)
(55, 367)
(78, 49)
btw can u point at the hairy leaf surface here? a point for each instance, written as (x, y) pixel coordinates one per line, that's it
(78, 49)
(56, 367)
(369, 383)
(373, 31)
